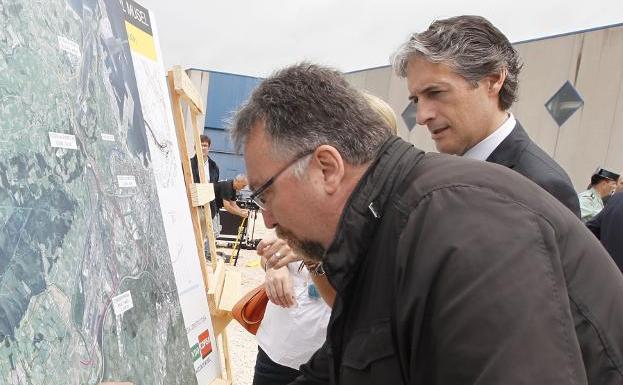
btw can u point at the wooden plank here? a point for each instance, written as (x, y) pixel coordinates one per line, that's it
(226, 355)
(215, 290)
(180, 86)
(180, 131)
(220, 322)
(184, 87)
(196, 131)
(201, 194)
(231, 291)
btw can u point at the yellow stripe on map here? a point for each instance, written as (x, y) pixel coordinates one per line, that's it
(141, 42)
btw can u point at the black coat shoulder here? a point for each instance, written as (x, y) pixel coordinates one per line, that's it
(519, 153)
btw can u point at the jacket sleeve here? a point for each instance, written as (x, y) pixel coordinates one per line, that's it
(481, 296)
(316, 370)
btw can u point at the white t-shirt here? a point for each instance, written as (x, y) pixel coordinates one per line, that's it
(290, 336)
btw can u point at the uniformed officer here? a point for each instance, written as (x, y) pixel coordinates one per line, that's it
(603, 184)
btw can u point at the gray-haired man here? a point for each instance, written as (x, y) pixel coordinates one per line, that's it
(447, 270)
(463, 73)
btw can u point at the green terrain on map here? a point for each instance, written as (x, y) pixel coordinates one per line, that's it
(72, 236)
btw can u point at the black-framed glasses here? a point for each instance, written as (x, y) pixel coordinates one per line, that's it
(256, 196)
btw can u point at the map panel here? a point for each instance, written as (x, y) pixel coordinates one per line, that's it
(87, 288)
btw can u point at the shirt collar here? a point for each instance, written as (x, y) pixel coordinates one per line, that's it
(485, 147)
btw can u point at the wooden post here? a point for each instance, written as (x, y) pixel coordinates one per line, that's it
(222, 287)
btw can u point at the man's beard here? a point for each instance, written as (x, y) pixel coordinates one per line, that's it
(309, 250)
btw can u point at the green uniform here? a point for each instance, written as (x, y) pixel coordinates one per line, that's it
(590, 204)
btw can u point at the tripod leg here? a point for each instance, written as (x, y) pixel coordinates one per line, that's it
(241, 233)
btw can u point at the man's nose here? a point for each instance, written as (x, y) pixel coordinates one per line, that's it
(269, 221)
(424, 113)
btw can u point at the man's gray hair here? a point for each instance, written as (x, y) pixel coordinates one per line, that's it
(471, 46)
(304, 106)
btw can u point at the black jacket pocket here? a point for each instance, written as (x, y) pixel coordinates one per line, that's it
(369, 357)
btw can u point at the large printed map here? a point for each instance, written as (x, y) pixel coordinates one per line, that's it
(87, 291)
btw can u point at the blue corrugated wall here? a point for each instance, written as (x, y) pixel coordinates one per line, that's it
(226, 92)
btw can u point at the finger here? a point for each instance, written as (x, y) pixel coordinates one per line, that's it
(270, 291)
(284, 297)
(288, 290)
(275, 262)
(277, 251)
(279, 292)
(274, 247)
(263, 245)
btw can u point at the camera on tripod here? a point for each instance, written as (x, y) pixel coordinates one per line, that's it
(238, 233)
(247, 203)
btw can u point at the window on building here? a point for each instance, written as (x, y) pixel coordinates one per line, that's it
(408, 115)
(565, 102)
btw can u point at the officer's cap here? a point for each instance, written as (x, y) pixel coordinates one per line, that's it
(602, 173)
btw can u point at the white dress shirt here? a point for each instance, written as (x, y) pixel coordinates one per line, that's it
(485, 147)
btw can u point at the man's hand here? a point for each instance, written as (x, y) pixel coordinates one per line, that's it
(277, 253)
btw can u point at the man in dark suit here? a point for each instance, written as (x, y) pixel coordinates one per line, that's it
(462, 74)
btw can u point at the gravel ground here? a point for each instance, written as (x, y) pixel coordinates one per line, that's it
(242, 344)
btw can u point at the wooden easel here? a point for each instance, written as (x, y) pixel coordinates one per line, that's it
(222, 287)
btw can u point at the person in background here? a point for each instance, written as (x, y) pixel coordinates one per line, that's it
(463, 76)
(447, 271)
(295, 322)
(383, 109)
(229, 190)
(603, 184)
(212, 175)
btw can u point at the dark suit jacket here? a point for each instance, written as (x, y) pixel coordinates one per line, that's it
(521, 154)
(607, 226)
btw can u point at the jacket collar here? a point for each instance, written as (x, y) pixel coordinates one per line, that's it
(511, 148)
(364, 209)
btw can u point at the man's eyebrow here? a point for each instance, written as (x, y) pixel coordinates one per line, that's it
(429, 88)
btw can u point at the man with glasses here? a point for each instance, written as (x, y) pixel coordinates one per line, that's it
(447, 270)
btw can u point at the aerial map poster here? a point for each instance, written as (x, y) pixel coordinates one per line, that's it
(88, 287)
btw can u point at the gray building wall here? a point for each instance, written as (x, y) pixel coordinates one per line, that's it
(591, 61)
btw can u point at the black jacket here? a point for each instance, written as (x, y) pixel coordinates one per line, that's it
(518, 152)
(453, 271)
(608, 227)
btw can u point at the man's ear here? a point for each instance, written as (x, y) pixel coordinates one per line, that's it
(331, 164)
(494, 83)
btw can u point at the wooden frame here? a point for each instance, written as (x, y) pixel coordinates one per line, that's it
(222, 287)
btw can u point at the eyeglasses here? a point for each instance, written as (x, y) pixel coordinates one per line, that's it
(256, 197)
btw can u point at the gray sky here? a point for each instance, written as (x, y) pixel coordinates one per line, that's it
(255, 37)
